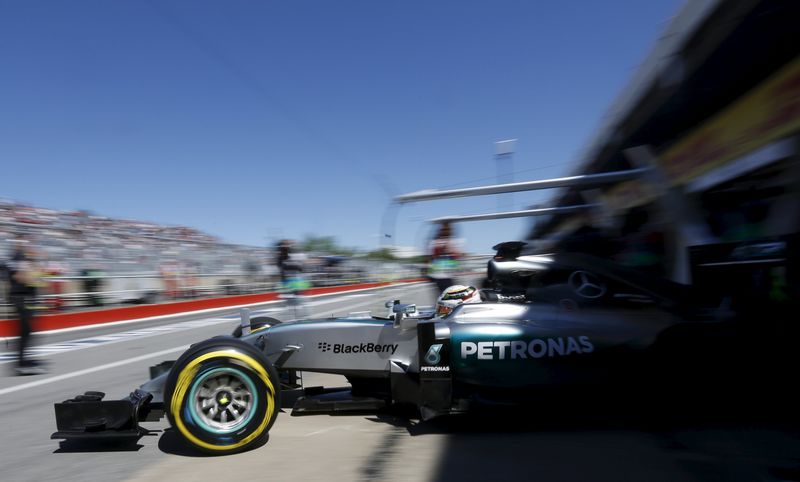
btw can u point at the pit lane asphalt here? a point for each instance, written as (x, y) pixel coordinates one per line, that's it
(364, 447)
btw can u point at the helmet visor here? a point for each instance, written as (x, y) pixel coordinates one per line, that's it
(444, 308)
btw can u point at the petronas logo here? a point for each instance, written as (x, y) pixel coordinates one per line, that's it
(433, 357)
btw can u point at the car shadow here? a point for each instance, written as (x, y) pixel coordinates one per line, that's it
(171, 443)
(97, 446)
(588, 414)
(122, 444)
(579, 439)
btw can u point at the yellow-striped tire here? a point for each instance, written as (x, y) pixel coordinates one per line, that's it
(222, 396)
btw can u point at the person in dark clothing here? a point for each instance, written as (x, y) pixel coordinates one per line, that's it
(293, 282)
(91, 285)
(282, 251)
(22, 292)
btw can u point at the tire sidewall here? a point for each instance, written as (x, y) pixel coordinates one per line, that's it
(222, 353)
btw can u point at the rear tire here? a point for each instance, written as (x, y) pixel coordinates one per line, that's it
(222, 396)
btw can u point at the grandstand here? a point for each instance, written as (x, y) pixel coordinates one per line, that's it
(88, 259)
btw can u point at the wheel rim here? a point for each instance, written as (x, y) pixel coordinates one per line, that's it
(222, 400)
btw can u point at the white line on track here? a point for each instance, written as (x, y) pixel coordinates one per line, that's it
(329, 429)
(86, 371)
(100, 340)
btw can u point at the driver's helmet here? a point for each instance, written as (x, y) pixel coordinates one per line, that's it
(454, 296)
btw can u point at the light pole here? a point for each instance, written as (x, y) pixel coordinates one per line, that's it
(503, 155)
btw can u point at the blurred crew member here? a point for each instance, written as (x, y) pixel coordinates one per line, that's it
(281, 257)
(23, 280)
(444, 256)
(92, 278)
(291, 264)
(293, 268)
(643, 244)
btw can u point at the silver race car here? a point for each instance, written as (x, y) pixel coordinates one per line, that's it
(590, 323)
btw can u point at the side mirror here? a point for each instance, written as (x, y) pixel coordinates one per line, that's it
(402, 311)
(408, 323)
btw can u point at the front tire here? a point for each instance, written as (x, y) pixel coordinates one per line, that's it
(222, 396)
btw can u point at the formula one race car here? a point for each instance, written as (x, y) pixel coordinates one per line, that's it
(594, 322)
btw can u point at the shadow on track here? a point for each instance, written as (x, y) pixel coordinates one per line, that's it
(581, 440)
(88, 446)
(171, 443)
(128, 444)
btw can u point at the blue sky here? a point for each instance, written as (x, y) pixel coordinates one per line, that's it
(253, 120)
